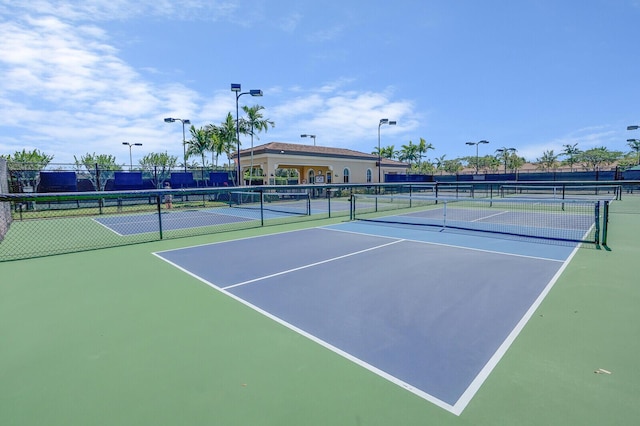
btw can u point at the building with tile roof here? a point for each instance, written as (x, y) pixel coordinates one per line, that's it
(316, 164)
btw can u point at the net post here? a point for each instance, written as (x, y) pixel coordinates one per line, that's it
(597, 223)
(159, 207)
(328, 203)
(352, 207)
(261, 192)
(605, 222)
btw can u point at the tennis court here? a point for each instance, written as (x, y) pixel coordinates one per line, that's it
(330, 322)
(433, 318)
(243, 207)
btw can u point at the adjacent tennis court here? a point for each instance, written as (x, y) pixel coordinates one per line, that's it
(432, 317)
(239, 207)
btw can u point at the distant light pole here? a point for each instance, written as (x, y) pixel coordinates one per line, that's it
(635, 142)
(310, 136)
(184, 142)
(477, 157)
(390, 123)
(504, 152)
(131, 158)
(237, 88)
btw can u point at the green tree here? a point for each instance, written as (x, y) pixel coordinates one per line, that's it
(453, 166)
(634, 144)
(386, 151)
(217, 144)
(25, 166)
(423, 148)
(504, 154)
(440, 164)
(199, 145)
(158, 167)
(594, 158)
(252, 124)
(489, 163)
(548, 161)
(571, 152)
(409, 153)
(100, 168)
(227, 138)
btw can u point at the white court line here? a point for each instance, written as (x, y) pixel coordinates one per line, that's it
(310, 265)
(490, 216)
(471, 390)
(458, 407)
(106, 226)
(424, 395)
(448, 245)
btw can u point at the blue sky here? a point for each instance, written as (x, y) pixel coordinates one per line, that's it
(82, 77)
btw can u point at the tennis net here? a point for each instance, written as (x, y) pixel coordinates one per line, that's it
(562, 191)
(558, 220)
(295, 203)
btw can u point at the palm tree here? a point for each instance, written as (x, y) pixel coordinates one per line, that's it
(252, 124)
(572, 152)
(548, 161)
(409, 153)
(385, 152)
(217, 145)
(227, 137)
(440, 163)
(423, 148)
(199, 144)
(504, 153)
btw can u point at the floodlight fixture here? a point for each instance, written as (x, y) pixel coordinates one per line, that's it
(390, 123)
(184, 142)
(477, 157)
(237, 88)
(310, 136)
(130, 158)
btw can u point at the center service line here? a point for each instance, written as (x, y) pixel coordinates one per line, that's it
(311, 265)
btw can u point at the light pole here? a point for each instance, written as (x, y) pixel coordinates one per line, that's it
(390, 123)
(184, 143)
(310, 136)
(130, 158)
(504, 152)
(635, 142)
(477, 157)
(237, 88)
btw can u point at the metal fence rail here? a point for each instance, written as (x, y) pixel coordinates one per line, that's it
(43, 224)
(55, 223)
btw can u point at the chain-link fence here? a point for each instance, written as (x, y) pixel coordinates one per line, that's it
(55, 223)
(42, 224)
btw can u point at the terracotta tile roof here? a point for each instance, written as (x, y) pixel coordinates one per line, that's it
(316, 151)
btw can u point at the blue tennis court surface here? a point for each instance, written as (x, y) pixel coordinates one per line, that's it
(181, 219)
(430, 311)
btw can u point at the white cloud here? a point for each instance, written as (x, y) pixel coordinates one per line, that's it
(108, 10)
(65, 88)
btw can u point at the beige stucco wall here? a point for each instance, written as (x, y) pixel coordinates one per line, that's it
(321, 167)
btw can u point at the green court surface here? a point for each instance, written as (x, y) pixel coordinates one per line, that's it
(119, 337)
